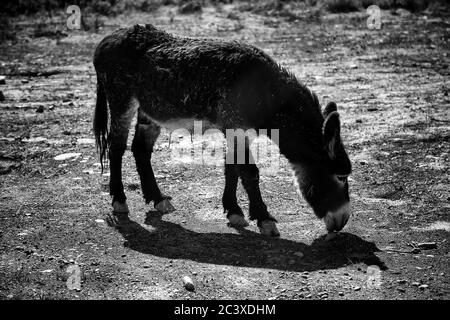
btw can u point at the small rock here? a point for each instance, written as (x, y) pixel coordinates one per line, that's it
(341, 294)
(47, 271)
(40, 109)
(34, 140)
(7, 139)
(66, 156)
(401, 289)
(357, 288)
(423, 286)
(188, 283)
(416, 284)
(299, 254)
(401, 281)
(2, 80)
(74, 280)
(85, 141)
(99, 220)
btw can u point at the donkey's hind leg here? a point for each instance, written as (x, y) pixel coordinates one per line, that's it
(144, 139)
(120, 124)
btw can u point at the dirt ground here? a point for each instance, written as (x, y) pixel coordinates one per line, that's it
(391, 86)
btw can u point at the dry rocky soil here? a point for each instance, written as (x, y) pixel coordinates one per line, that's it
(391, 86)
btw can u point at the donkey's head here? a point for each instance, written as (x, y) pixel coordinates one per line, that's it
(322, 179)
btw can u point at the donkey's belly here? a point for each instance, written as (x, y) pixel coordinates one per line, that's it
(174, 121)
(190, 124)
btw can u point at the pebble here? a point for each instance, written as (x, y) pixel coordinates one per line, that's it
(2, 80)
(35, 139)
(423, 286)
(47, 271)
(188, 283)
(357, 288)
(85, 141)
(74, 279)
(299, 254)
(66, 156)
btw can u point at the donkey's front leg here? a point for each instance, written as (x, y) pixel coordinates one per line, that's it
(142, 147)
(249, 174)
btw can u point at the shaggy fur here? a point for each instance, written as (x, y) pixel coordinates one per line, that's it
(229, 84)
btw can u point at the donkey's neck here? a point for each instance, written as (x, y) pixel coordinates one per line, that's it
(299, 134)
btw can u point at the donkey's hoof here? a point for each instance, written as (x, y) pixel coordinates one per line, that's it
(164, 206)
(236, 220)
(120, 207)
(269, 228)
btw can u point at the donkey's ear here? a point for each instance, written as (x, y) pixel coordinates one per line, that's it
(332, 133)
(331, 107)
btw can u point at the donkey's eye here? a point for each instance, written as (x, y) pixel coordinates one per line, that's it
(342, 179)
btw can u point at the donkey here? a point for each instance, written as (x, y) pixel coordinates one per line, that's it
(171, 81)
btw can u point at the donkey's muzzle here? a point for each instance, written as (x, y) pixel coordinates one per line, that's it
(336, 220)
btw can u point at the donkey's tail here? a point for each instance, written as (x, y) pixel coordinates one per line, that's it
(101, 122)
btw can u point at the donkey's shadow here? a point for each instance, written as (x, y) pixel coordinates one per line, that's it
(245, 249)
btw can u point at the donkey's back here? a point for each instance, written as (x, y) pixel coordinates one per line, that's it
(173, 77)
